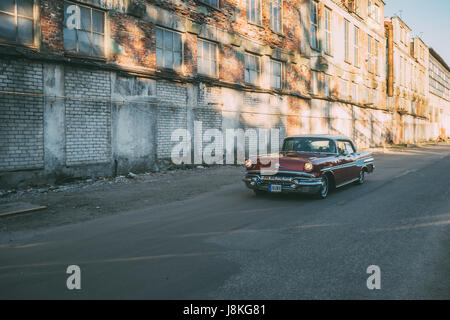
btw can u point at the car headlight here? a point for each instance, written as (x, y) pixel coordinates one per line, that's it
(308, 166)
(248, 163)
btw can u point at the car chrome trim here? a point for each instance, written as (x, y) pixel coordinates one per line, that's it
(348, 182)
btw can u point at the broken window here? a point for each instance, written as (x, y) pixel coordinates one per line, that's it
(168, 49)
(252, 69)
(84, 30)
(207, 57)
(17, 21)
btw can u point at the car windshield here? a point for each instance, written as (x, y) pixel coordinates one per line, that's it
(314, 145)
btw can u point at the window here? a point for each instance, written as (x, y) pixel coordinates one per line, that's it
(327, 91)
(214, 3)
(320, 145)
(328, 28)
(84, 30)
(254, 11)
(314, 24)
(345, 146)
(376, 57)
(344, 89)
(376, 12)
(369, 8)
(369, 53)
(17, 21)
(356, 47)
(168, 49)
(357, 6)
(276, 68)
(314, 83)
(354, 92)
(252, 69)
(346, 40)
(275, 15)
(206, 58)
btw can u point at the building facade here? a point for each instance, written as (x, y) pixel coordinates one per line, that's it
(439, 98)
(407, 82)
(99, 87)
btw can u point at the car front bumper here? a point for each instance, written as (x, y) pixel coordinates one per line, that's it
(288, 184)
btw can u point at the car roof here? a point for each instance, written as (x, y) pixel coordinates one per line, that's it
(325, 136)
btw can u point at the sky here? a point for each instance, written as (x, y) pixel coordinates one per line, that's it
(429, 19)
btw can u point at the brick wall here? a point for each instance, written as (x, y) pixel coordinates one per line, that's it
(21, 116)
(87, 119)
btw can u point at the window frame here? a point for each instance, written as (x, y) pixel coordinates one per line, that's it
(206, 2)
(280, 5)
(328, 15)
(314, 12)
(347, 41)
(91, 32)
(258, 15)
(34, 22)
(258, 60)
(369, 54)
(216, 58)
(376, 57)
(356, 56)
(272, 74)
(163, 49)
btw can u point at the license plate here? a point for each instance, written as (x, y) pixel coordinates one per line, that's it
(274, 188)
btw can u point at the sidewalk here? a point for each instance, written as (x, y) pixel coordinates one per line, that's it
(94, 198)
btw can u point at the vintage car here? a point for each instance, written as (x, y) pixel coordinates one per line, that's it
(313, 164)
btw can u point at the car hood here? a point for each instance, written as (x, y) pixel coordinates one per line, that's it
(287, 161)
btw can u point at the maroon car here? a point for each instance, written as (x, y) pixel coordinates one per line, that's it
(309, 164)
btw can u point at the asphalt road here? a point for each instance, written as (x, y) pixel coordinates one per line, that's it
(228, 244)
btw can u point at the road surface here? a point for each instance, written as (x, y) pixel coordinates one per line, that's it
(229, 244)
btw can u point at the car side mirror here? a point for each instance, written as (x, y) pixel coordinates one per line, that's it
(343, 152)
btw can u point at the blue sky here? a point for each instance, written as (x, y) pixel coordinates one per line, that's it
(429, 19)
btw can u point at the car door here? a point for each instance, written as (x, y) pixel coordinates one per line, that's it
(344, 172)
(353, 169)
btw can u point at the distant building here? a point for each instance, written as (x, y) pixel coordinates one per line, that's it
(439, 101)
(407, 82)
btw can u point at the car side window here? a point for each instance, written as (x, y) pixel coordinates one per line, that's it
(341, 147)
(349, 147)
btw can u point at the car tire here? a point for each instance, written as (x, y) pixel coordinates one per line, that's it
(325, 188)
(362, 177)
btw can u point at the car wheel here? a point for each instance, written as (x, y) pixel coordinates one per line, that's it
(325, 188)
(362, 177)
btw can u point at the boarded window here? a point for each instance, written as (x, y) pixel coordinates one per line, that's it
(84, 30)
(17, 21)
